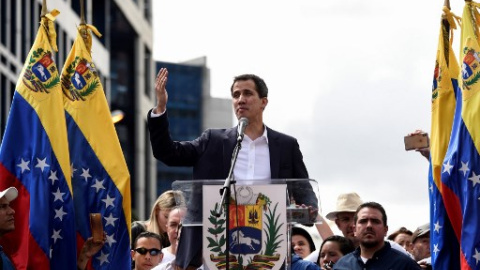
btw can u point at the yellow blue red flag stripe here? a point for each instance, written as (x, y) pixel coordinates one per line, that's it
(100, 178)
(461, 166)
(444, 245)
(34, 158)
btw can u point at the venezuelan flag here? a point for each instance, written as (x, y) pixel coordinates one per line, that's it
(100, 178)
(34, 158)
(461, 166)
(444, 243)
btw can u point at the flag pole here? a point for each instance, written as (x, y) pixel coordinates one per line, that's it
(83, 29)
(44, 8)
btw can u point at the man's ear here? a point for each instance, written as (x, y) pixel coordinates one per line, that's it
(132, 252)
(264, 102)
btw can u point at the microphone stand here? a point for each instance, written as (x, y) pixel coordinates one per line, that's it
(225, 192)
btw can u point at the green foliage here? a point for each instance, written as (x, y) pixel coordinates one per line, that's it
(272, 228)
(474, 80)
(53, 82)
(216, 244)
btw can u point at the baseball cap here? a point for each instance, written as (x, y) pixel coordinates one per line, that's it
(421, 231)
(10, 194)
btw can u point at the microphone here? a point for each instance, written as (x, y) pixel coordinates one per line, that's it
(242, 124)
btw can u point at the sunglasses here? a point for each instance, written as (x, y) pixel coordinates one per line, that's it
(152, 251)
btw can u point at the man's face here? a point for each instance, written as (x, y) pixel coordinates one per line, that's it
(146, 261)
(345, 223)
(173, 225)
(369, 228)
(421, 248)
(7, 220)
(246, 101)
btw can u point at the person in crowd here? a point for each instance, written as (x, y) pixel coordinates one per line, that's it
(302, 242)
(420, 247)
(7, 222)
(276, 155)
(299, 264)
(157, 223)
(174, 224)
(347, 204)
(374, 252)
(403, 237)
(332, 249)
(147, 251)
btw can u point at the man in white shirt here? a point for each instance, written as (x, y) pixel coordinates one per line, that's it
(265, 153)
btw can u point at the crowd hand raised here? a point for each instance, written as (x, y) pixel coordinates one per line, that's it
(161, 91)
(89, 249)
(423, 151)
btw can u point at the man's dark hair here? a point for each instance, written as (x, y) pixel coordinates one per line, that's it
(346, 245)
(147, 235)
(260, 84)
(373, 205)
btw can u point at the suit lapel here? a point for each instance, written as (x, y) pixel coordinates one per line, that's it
(274, 148)
(229, 142)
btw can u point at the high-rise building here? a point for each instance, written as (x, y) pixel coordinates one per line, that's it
(123, 57)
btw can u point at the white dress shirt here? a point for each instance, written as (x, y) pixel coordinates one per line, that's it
(253, 161)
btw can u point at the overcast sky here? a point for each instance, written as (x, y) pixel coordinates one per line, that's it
(349, 79)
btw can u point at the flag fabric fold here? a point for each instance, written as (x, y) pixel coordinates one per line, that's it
(460, 174)
(34, 158)
(100, 178)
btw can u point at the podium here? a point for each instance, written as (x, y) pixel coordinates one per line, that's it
(257, 232)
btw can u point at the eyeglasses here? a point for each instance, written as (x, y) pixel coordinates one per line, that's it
(152, 251)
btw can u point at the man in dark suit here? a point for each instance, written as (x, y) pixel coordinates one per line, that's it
(265, 153)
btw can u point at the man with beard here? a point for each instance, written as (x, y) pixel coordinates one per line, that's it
(420, 246)
(374, 252)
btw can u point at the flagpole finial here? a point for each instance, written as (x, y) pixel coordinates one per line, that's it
(447, 4)
(82, 12)
(44, 8)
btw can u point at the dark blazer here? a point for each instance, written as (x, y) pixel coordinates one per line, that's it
(211, 153)
(210, 156)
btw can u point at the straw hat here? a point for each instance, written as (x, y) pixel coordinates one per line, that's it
(10, 194)
(347, 202)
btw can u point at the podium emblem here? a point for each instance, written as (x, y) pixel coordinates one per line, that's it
(257, 230)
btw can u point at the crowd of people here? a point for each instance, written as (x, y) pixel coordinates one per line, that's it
(260, 153)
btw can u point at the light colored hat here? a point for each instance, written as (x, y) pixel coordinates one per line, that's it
(347, 202)
(422, 231)
(10, 194)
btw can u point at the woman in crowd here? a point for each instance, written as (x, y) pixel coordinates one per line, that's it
(302, 242)
(157, 223)
(332, 249)
(403, 237)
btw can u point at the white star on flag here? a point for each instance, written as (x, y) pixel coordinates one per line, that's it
(103, 258)
(72, 169)
(60, 213)
(56, 235)
(464, 168)
(110, 220)
(435, 249)
(86, 174)
(475, 179)
(437, 227)
(108, 201)
(476, 256)
(447, 167)
(24, 165)
(111, 239)
(42, 163)
(58, 195)
(431, 188)
(98, 185)
(53, 176)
